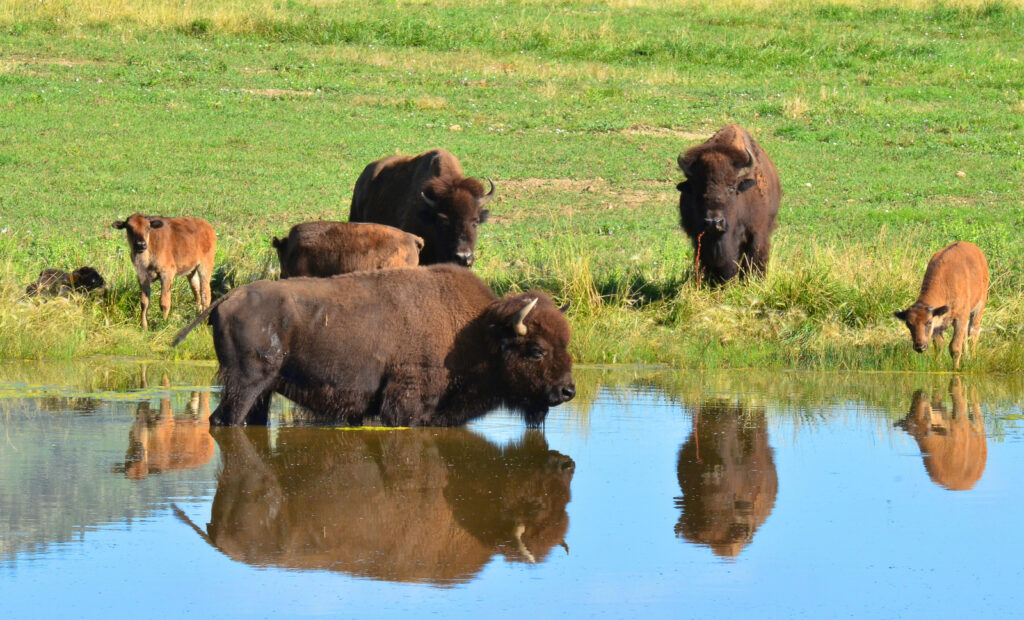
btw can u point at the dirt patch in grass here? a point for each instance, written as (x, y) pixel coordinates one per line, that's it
(278, 93)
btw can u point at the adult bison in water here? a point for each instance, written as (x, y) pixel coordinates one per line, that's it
(727, 204)
(425, 195)
(413, 505)
(728, 478)
(416, 346)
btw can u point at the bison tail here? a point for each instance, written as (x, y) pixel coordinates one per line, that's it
(199, 319)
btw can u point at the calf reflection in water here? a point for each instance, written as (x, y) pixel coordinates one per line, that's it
(952, 445)
(728, 478)
(417, 505)
(160, 442)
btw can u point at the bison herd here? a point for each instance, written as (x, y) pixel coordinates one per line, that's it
(380, 317)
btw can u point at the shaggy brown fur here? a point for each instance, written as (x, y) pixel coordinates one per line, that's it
(953, 292)
(163, 248)
(324, 249)
(427, 196)
(54, 282)
(953, 445)
(406, 506)
(418, 346)
(728, 478)
(727, 204)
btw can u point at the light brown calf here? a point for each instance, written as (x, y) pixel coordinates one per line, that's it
(325, 249)
(165, 247)
(953, 293)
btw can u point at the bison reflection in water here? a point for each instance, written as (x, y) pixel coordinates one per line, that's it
(727, 475)
(161, 442)
(952, 445)
(415, 505)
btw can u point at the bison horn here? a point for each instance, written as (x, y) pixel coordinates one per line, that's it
(746, 168)
(490, 194)
(683, 165)
(519, 531)
(520, 327)
(430, 203)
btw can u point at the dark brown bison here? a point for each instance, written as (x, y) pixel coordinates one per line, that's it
(324, 249)
(163, 248)
(416, 346)
(953, 292)
(427, 196)
(727, 204)
(54, 282)
(728, 478)
(953, 445)
(412, 505)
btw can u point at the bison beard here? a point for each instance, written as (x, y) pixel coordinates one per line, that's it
(728, 203)
(415, 346)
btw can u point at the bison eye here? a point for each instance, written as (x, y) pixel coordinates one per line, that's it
(535, 353)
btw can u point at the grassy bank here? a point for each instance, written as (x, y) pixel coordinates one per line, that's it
(256, 116)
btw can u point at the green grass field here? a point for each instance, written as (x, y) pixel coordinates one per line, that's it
(259, 115)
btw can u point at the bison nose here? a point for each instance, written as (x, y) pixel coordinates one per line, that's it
(920, 347)
(140, 245)
(568, 392)
(464, 258)
(715, 223)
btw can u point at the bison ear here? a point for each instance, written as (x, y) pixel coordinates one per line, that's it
(419, 242)
(483, 215)
(119, 225)
(156, 223)
(940, 311)
(900, 314)
(746, 184)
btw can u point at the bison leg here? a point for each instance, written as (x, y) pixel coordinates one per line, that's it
(205, 274)
(404, 404)
(956, 344)
(166, 279)
(194, 282)
(145, 290)
(974, 326)
(243, 402)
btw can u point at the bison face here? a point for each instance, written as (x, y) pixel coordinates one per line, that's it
(87, 278)
(535, 366)
(924, 323)
(451, 211)
(138, 227)
(714, 182)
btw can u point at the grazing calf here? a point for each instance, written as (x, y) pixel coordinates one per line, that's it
(325, 249)
(165, 247)
(953, 293)
(53, 282)
(427, 196)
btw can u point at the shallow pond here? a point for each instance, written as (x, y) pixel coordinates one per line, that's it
(654, 493)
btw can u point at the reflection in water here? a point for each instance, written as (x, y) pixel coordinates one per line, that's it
(427, 504)
(728, 478)
(160, 442)
(952, 445)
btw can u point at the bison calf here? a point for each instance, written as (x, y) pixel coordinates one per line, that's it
(54, 282)
(415, 346)
(427, 196)
(953, 293)
(324, 249)
(165, 247)
(728, 203)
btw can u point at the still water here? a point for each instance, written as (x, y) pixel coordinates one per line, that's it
(655, 493)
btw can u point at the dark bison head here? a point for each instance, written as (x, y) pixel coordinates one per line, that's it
(924, 323)
(451, 209)
(717, 173)
(137, 227)
(87, 278)
(535, 368)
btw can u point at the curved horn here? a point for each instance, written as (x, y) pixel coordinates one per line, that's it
(487, 197)
(430, 203)
(519, 326)
(681, 160)
(519, 531)
(745, 169)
